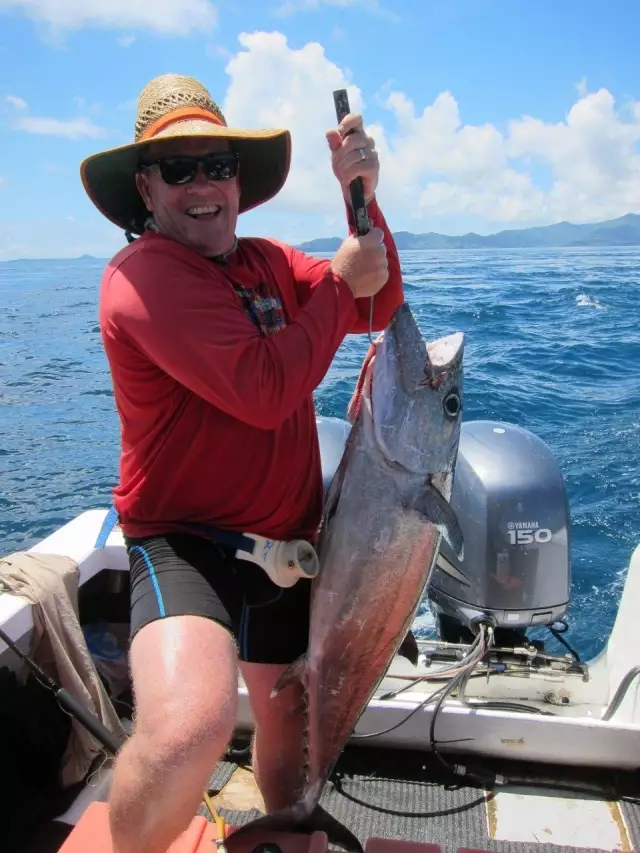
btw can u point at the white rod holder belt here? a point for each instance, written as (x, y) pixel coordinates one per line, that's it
(284, 562)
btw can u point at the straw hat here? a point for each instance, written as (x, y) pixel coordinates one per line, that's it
(172, 106)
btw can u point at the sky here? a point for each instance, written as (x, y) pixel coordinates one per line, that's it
(486, 115)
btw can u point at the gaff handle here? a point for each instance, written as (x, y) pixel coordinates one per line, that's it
(356, 188)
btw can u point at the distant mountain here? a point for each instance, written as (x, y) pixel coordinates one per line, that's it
(59, 261)
(624, 231)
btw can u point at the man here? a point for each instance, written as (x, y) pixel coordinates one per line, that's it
(215, 346)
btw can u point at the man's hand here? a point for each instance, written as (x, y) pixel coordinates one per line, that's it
(362, 263)
(353, 155)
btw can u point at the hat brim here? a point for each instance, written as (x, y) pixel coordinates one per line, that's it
(109, 177)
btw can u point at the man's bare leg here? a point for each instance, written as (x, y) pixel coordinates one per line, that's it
(278, 759)
(184, 672)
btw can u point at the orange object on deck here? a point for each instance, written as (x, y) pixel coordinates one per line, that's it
(388, 845)
(92, 835)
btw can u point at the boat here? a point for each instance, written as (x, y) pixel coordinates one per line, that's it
(491, 738)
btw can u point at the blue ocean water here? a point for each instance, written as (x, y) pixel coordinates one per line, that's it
(552, 344)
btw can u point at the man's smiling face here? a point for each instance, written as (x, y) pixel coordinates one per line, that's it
(202, 213)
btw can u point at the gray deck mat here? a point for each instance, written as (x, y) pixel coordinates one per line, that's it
(402, 795)
(632, 818)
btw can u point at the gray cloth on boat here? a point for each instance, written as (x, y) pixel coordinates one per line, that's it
(50, 583)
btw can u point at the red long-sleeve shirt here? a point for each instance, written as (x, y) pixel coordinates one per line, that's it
(217, 419)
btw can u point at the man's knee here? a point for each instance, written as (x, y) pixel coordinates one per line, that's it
(183, 733)
(185, 688)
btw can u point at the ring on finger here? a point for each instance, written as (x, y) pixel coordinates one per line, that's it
(363, 155)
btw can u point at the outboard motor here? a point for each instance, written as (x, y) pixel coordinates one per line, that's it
(510, 500)
(332, 436)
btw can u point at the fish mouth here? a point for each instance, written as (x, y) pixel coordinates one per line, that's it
(442, 356)
(444, 352)
(417, 397)
(420, 364)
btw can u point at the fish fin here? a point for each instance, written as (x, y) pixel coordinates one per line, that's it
(289, 820)
(409, 648)
(433, 506)
(293, 674)
(337, 833)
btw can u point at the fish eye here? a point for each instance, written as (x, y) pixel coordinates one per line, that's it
(452, 404)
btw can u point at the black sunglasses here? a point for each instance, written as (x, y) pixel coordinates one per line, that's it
(221, 166)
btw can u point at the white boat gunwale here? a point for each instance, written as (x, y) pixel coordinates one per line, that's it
(569, 737)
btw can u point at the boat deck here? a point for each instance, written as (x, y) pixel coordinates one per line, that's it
(407, 795)
(400, 794)
(382, 791)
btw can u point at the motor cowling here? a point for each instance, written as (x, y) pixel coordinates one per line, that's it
(511, 503)
(510, 500)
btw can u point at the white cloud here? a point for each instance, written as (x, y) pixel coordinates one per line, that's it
(593, 156)
(433, 164)
(126, 41)
(16, 103)
(178, 17)
(75, 128)
(476, 170)
(273, 85)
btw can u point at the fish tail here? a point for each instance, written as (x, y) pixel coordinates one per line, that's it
(337, 833)
(290, 820)
(297, 818)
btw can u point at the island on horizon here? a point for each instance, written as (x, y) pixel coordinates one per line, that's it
(620, 232)
(623, 231)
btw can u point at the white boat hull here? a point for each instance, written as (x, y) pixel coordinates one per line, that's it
(576, 735)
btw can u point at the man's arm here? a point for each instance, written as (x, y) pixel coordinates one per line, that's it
(391, 296)
(353, 156)
(308, 271)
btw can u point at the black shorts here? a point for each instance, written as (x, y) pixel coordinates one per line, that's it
(180, 574)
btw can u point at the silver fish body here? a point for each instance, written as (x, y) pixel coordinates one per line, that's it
(386, 511)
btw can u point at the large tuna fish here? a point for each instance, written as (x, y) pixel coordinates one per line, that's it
(386, 511)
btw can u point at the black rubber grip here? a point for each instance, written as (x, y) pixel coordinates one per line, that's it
(356, 188)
